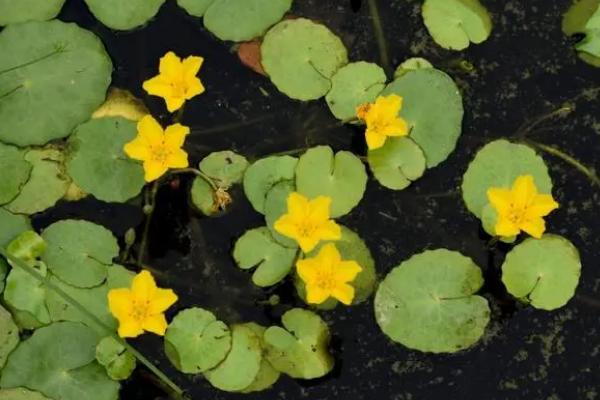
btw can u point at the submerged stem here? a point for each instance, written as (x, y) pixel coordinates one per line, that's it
(379, 36)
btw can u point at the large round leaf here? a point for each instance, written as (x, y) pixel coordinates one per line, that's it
(9, 336)
(197, 8)
(397, 163)
(267, 375)
(14, 12)
(59, 361)
(498, 164)
(56, 76)
(453, 24)
(79, 252)
(428, 302)
(341, 177)
(15, 172)
(543, 272)
(262, 175)
(240, 20)
(352, 85)
(275, 207)
(196, 342)
(124, 14)
(21, 394)
(98, 164)
(301, 56)
(11, 226)
(433, 108)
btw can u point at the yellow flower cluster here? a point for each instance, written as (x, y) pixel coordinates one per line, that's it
(382, 120)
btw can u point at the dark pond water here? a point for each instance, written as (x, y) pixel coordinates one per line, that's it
(525, 70)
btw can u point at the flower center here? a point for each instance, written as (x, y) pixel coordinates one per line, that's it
(515, 214)
(140, 310)
(160, 154)
(325, 280)
(178, 88)
(306, 229)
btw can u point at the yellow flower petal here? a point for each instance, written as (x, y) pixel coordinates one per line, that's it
(150, 131)
(500, 199)
(307, 244)
(156, 324)
(397, 127)
(307, 270)
(120, 302)
(297, 204)
(158, 86)
(506, 228)
(153, 170)
(329, 256)
(535, 227)
(143, 286)
(178, 159)
(162, 300)
(286, 225)
(524, 191)
(344, 293)
(137, 149)
(347, 271)
(170, 65)
(191, 65)
(318, 208)
(175, 136)
(316, 295)
(329, 230)
(374, 139)
(130, 328)
(543, 204)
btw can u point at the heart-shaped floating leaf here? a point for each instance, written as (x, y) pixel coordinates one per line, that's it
(257, 247)
(543, 272)
(351, 247)
(119, 277)
(203, 197)
(46, 185)
(25, 293)
(15, 12)
(399, 162)
(21, 394)
(79, 252)
(240, 20)
(411, 64)
(11, 226)
(299, 350)
(98, 164)
(267, 375)
(240, 368)
(428, 302)
(341, 177)
(197, 8)
(301, 56)
(224, 167)
(262, 175)
(575, 21)
(498, 164)
(591, 43)
(196, 341)
(113, 356)
(454, 24)
(352, 85)
(433, 108)
(15, 172)
(59, 361)
(56, 76)
(9, 336)
(275, 207)
(124, 14)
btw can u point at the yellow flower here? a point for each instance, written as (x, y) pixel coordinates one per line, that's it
(382, 120)
(307, 221)
(326, 275)
(521, 208)
(158, 149)
(142, 307)
(176, 81)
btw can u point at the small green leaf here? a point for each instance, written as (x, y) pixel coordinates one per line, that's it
(28, 246)
(301, 56)
(267, 375)
(113, 356)
(411, 64)
(25, 293)
(225, 168)
(352, 85)
(341, 177)
(262, 175)
(119, 277)
(196, 342)
(21, 394)
(591, 43)
(575, 21)
(275, 207)
(428, 302)
(257, 247)
(196, 8)
(399, 162)
(11, 226)
(543, 272)
(203, 197)
(498, 164)
(79, 252)
(124, 15)
(9, 336)
(299, 350)
(454, 24)
(15, 171)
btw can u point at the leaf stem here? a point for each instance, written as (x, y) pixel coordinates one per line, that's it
(58, 49)
(379, 36)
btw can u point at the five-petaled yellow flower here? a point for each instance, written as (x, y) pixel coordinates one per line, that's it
(521, 208)
(141, 308)
(326, 275)
(176, 81)
(307, 221)
(158, 149)
(382, 120)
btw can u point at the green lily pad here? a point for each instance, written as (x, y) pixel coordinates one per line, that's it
(543, 272)
(224, 167)
(301, 56)
(46, 185)
(343, 178)
(433, 109)
(257, 247)
(124, 14)
(352, 85)
(267, 375)
(498, 164)
(21, 394)
(575, 21)
(28, 247)
(11, 226)
(196, 341)
(411, 64)
(9, 336)
(119, 277)
(98, 164)
(240, 368)
(398, 163)
(25, 293)
(454, 24)
(56, 76)
(79, 252)
(15, 12)
(203, 197)
(240, 20)
(299, 350)
(591, 43)
(428, 302)
(15, 172)
(275, 207)
(113, 356)
(197, 8)
(59, 361)
(262, 175)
